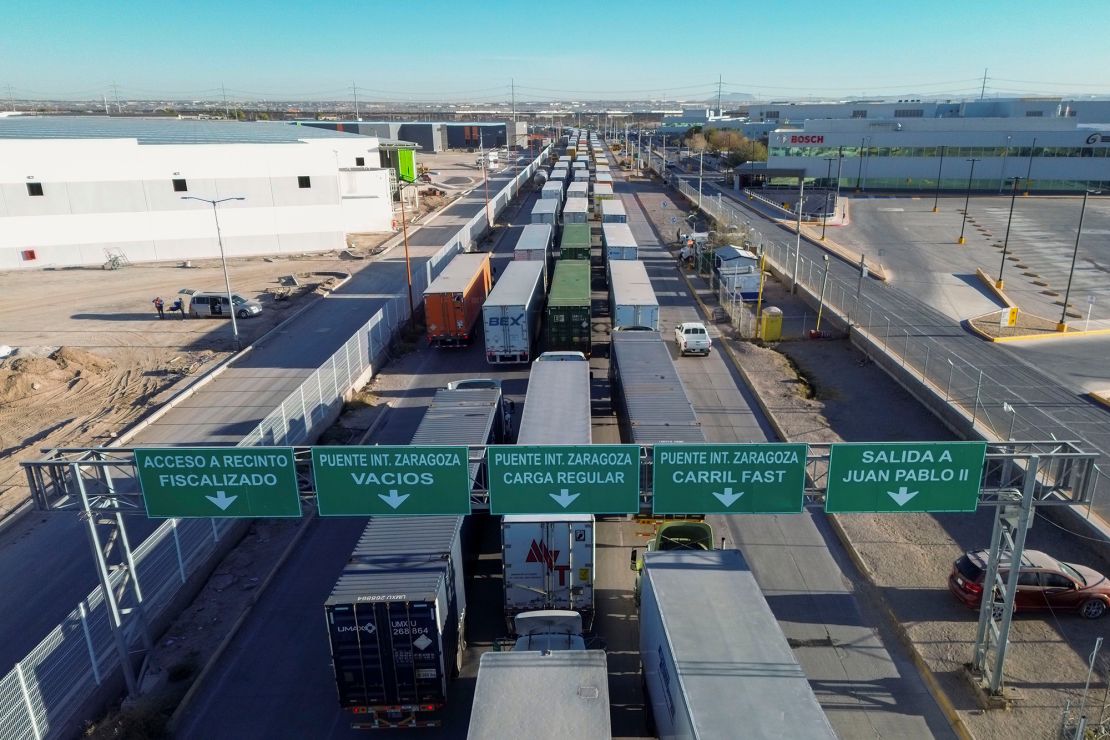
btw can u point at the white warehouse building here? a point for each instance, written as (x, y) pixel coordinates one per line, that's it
(77, 190)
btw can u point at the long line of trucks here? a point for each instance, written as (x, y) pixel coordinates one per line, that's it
(453, 301)
(512, 312)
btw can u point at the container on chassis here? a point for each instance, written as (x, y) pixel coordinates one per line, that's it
(557, 404)
(552, 190)
(602, 191)
(612, 212)
(632, 300)
(603, 177)
(704, 608)
(545, 211)
(578, 189)
(582, 176)
(548, 563)
(534, 245)
(576, 211)
(511, 314)
(453, 302)
(618, 242)
(567, 325)
(396, 621)
(575, 242)
(651, 402)
(541, 695)
(560, 175)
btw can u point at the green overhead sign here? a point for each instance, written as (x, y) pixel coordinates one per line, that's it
(728, 478)
(587, 479)
(218, 482)
(904, 476)
(406, 164)
(391, 481)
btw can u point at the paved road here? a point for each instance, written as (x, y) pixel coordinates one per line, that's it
(1046, 399)
(221, 412)
(862, 677)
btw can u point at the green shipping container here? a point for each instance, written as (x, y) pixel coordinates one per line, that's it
(575, 244)
(568, 308)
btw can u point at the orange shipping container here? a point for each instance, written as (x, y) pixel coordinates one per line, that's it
(453, 302)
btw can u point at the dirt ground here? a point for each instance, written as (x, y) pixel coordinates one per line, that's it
(87, 355)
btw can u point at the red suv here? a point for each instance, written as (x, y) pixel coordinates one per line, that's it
(1043, 583)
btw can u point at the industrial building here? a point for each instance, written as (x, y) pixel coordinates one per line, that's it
(1049, 155)
(436, 136)
(85, 190)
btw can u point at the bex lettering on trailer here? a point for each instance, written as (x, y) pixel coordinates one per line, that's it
(505, 320)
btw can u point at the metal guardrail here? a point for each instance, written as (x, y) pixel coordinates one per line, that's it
(44, 689)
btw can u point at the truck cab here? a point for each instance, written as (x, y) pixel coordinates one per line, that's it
(680, 534)
(692, 338)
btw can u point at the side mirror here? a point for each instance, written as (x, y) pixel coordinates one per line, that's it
(634, 561)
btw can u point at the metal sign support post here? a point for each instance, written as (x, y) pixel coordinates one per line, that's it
(1007, 540)
(115, 616)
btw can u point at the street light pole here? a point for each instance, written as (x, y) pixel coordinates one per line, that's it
(798, 230)
(1063, 324)
(1005, 153)
(1029, 169)
(859, 172)
(825, 212)
(821, 300)
(940, 168)
(1006, 240)
(223, 260)
(701, 161)
(967, 201)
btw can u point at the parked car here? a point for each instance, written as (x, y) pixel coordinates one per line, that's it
(692, 338)
(1043, 583)
(202, 304)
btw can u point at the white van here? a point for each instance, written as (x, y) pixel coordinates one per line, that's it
(202, 304)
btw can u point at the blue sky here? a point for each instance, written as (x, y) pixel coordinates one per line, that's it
(430, 50)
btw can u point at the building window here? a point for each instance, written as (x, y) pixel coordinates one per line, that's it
(859, 114)
(180, 186)
(360, 161)
(909, 113)
(34, 188)
(304, 181)
(771, 114)
(1034, 113)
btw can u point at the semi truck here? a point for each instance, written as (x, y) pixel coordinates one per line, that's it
(453, 301)
(567, 325)
(396, 622)
(511, 313)
(632, 300)
(534, 245)
(549, 686)
(575, 242)
(714, 661)
(548, 563)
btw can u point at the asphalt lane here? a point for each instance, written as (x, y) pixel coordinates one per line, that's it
(1037, 385)
(861, 676)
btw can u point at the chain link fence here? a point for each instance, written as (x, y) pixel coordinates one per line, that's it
(39, 696)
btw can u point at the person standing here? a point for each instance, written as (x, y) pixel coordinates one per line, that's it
(159, 306)
(178, 305)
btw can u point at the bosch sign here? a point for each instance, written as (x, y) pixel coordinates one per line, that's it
(807, 139)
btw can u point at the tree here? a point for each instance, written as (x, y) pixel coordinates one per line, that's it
(697, 142)
(747, 151)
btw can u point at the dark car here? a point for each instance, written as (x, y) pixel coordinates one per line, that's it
(1043, 583)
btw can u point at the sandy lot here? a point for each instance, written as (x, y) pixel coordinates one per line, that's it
(91, 356)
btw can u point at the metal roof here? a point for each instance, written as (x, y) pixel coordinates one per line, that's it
(653, 396)
(161, 130)
(517, 285)
(459, 273)
(731, 660)
(557, 404)
(629, 284)
(535, 237)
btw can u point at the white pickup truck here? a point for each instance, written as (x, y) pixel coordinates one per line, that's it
(692, 338)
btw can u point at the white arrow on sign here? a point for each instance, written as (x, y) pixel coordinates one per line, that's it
(902, 495)
(222, 500)
(564, 497)
(728, 498)
(394, 499)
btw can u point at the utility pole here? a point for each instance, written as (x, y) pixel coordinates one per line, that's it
(983, 90)
(223, 92)
(107, 111)
(354, 92)
(11, 98)
(115, 94)
(701, 162)
(798, 230)
(719, 112)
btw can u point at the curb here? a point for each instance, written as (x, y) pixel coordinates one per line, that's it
(233, 631)
(993, 288)
(927, 676)
(1029, 337)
